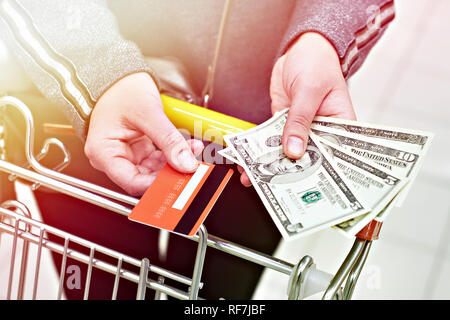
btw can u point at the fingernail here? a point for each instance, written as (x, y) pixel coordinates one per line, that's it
(295, 146)
(187, 160)
(198, 148)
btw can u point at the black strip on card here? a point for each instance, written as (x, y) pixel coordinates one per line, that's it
(201, 200)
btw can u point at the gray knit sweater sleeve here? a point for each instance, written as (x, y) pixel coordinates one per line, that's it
(353, 27)
(72, 51)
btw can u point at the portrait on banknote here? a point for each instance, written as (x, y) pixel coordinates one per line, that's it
(274, 167)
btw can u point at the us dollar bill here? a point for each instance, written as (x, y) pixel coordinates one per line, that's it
(373, 183)
(419, 140)
(302, 196)
(228, 153)
(412, 141)
(401, 162)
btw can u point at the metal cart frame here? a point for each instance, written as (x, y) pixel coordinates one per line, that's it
(15, 220)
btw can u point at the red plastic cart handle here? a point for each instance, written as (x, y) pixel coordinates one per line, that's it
(371, 231)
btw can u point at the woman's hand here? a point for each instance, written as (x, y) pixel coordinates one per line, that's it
(308, 80)
(130, 138)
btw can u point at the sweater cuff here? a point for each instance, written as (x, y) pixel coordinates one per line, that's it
(351, 29)
(106, 67)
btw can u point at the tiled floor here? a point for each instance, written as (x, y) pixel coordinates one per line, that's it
(405, 82)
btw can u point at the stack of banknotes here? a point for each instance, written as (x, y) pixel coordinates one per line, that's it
(352, 172)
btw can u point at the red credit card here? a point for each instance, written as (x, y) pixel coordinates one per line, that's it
(180, 202)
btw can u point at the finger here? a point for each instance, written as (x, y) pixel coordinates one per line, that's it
(115, 159)
(142, 148)
(338, 104)
(156, 160)
(153, 163)
(171, 142)
(196, 146)
(278, 95)
(306, 100)
(133, 179)
(245, 180)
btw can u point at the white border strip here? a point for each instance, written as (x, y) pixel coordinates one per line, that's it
(190, 187)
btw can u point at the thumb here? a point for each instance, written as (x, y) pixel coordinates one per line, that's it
(166, 137)
(306, 101)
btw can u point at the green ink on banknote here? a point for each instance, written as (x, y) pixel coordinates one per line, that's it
(311, 196)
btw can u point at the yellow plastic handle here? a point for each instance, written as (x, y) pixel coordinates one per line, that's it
(202, 123)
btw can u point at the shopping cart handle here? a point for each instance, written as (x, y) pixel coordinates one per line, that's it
(371, 231)
(202, 123)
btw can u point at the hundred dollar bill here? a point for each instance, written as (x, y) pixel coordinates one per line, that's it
(373, 183)
(413, 141)
(228, 153)
(302, 196)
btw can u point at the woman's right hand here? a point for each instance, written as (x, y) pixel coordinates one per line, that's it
(130, 138)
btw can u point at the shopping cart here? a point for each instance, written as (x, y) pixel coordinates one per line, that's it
(19, 229)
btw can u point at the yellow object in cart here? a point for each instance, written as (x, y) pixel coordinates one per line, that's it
(198, 120)
(201, 123)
